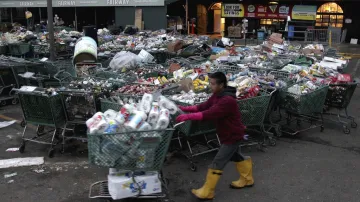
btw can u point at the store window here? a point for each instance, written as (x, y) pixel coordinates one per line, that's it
(270, 21)
(330, 14)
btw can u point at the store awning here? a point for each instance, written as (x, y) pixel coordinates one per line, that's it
(80, 3)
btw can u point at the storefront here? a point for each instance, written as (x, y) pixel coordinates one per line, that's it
(273, 14)
(79, 13)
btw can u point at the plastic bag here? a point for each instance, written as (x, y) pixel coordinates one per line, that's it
(124, 59)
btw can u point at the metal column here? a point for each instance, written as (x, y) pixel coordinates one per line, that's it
(51, 29)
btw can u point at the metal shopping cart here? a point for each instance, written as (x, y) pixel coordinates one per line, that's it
(136, 152)
(305, 107)
(41, 108)
(339, 97)
(132, 151)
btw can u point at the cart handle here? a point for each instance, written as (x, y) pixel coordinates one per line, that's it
(178, 124)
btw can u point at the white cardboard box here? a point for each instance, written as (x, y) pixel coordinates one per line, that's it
(122, 185)
(354, 41)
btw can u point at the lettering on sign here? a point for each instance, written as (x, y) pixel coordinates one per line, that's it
(232, 10)
(26, 3)
(251, 8)
(261, 9)
(284, 10)
(232, 7)
(66, 3)
(117, 2)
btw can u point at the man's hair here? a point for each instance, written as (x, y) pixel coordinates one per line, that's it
(219, 77)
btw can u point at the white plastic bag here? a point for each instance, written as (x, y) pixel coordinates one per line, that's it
(124, 59)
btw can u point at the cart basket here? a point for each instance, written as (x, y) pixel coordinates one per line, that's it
(308, 103)
(138, 150)
(193, 128)
(339, 95)
(42, 109)
(253, 110)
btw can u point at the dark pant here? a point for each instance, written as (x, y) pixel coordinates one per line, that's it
(226, 153)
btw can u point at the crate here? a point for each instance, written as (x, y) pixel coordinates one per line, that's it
(305, 104)
(42, 109)
(140, 150)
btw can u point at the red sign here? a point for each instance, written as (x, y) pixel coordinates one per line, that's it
(268, 11)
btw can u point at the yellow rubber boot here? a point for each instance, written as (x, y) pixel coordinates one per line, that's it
(207, 191)
(246, 178)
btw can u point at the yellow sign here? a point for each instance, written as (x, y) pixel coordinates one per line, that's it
(302, 12)
(232, 10)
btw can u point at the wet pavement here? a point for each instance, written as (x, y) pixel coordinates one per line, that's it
(312, 166)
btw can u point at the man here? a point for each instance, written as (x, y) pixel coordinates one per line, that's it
(222, 108)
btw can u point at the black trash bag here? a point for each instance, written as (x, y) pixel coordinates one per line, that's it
(115, 30)
(130, 30)
(30, 38)
(218, 43)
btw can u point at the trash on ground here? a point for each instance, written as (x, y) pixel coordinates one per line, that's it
(18, 162)
(4, 124)
(14, 149)
(10, 175)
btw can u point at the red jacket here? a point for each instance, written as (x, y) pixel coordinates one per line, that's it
(223, 109)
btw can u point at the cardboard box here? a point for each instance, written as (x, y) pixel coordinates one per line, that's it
(121, 185)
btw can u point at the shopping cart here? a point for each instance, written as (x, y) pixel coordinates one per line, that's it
(136, 151)
(191, 132)
(41, 108)
(305, 107)
(339, 97)
(6, 93)
(79, 106)
(253, 113)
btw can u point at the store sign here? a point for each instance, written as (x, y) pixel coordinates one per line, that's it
(82, 3)
(232, 10)
(271, 11)
(302, 12)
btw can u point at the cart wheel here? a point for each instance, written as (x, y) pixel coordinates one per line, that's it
(22, 148)
(23, 123)
(321, 128)
(278, 132)
(272, 142)
(51, 153)
(288, 121)
(193, 167)
(14, 101)
(346, 130)
(3, 103)
(40, 130)
(353, 124)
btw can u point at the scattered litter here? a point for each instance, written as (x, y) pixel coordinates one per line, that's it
(14, 149)
(4, 124)
(9, 136)
(10, 181)
(39, 170)
(10, 175)
(17, 162)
